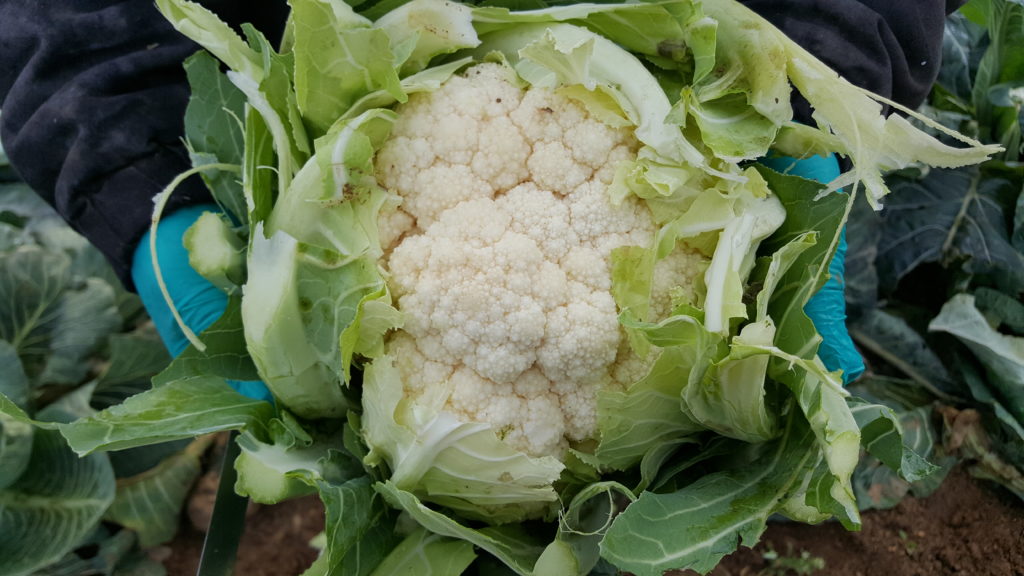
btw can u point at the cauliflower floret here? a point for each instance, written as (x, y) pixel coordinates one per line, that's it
(675, 277)
(526, 414)
(502, 268)
(541, 216)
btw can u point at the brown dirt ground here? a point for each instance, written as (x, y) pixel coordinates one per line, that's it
(968, 527)
(275, 542)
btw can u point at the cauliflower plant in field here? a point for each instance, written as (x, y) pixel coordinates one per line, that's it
(523, 266)
(499, 244)
(519, 285)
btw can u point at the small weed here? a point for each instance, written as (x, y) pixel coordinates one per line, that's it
(909, 545)
(789, 564)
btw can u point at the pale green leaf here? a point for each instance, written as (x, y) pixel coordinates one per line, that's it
(649, 413)
(292, 463)
(584, 523)
(425, 554)
(214, 130)
(203, 26)
(338, 60)
(1001, 355)
(360, 527)
(150, 503)
(883, 436)
(180, 409)
(696, 526)
(422, 30)
(458, 464)
(512, 544)
(306, 282)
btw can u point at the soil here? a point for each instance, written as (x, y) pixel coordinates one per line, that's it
(276, 541)
(968, 527)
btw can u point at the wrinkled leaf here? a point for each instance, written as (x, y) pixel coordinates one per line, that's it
(13, 381)
(804, 212)
(885, 438)
(948, 217)
(84, 318)
(894, 340)
(965, 434)
(104, 553)
(1002, 63)
(55, 324)
(15, 433)
(53, 505)
(292, 463)
(20, 206)
(338, 59)
(33, 282)
(961, 50)
(877, 484)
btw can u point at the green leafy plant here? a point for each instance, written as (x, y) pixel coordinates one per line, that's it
(73, 342)
(803, 564)
(728, 415)
(939, 274)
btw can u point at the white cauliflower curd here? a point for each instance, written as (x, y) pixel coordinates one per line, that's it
(498, 250)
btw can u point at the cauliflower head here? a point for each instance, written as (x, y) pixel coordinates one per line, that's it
(498, 243)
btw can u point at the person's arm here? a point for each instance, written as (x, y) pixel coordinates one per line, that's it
(93, 94)
(891, 47)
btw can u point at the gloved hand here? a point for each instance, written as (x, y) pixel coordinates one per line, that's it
(827, 308)
(199, 302)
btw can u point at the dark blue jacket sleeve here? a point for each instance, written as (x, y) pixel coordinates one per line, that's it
(92, 92)
(93, 95)
(890, 47)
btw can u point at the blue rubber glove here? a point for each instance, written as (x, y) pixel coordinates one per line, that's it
(827, 308)
(199, 303)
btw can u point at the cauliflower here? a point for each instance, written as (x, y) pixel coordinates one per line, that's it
(499, 251)
(528, 255)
